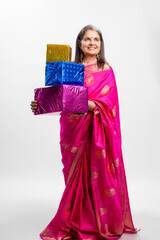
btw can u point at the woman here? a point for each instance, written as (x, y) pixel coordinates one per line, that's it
(95, 202)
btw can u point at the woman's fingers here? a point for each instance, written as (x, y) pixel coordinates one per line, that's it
(34, 103)
(34, 106)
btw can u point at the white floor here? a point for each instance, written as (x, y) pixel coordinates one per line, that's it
(26, 208)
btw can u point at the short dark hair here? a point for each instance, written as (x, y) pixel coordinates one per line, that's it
(101, 61)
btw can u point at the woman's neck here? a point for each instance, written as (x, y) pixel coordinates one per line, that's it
(89, 60)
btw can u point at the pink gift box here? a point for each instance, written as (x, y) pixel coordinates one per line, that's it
(66, 98)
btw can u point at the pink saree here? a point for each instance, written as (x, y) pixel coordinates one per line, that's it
(95, 202)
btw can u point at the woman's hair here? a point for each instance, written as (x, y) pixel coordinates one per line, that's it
(78, 53)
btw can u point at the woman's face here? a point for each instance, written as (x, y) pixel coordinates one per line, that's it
(90, 44)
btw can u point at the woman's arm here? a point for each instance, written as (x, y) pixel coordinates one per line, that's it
(91, 105)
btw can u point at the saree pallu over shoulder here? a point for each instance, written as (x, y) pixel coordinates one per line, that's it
(95, 203)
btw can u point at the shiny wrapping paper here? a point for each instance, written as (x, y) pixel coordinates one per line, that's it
(56, 53)
(64, 73)
(59, 98)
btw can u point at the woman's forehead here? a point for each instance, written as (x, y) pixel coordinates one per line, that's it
(91, 34)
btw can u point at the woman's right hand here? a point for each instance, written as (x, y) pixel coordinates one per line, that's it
(34, 106)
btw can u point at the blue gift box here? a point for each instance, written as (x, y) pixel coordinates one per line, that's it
(64, 73)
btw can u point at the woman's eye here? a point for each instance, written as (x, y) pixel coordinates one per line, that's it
(88, 39)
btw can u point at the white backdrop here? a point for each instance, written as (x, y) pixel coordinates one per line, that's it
(31, 177)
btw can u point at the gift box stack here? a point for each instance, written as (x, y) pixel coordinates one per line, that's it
(64, 81)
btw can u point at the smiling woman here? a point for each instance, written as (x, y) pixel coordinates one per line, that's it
(95, 203)
(90, 46)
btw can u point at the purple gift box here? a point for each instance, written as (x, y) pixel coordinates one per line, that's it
(67, 98)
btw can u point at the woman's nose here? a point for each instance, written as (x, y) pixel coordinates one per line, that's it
(91, 41)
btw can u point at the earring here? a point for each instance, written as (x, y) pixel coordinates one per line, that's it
(81, 57)
(98, 56)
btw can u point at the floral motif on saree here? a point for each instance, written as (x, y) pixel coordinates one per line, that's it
(89, 79)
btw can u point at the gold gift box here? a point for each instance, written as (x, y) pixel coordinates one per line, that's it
(57, 53)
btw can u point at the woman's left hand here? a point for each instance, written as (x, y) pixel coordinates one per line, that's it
(91, 105)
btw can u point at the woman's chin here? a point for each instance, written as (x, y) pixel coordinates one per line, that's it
(90, 54)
